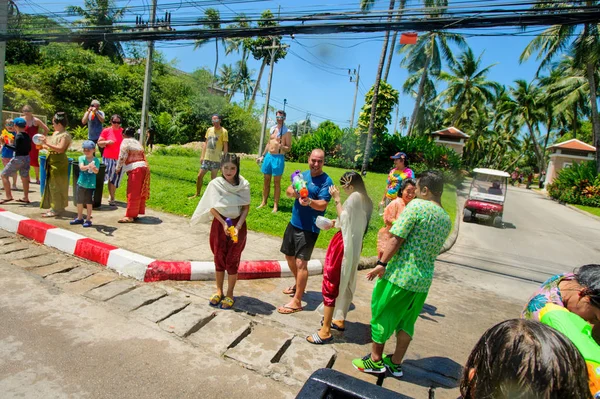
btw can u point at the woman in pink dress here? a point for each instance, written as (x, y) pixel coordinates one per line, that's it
(393, 211)
(33, 127)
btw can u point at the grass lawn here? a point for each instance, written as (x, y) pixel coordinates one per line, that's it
(590, 209)
(174, 177)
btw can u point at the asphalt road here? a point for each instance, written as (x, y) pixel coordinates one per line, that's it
(540, 238)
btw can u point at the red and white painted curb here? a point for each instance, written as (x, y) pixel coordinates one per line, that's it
(134, 265)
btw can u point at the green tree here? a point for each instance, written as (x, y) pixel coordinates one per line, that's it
(212, 21)
(584, 42)
(425, 58)
(388, 99)
(98, 16)
(527, 98)
(468, 88)
(256, 47)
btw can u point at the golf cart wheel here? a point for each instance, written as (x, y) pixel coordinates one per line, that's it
(498, 221)
(467, 215)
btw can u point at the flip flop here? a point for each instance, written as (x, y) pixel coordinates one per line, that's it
(289, 310)
(317, 340)
(215, 300)
(49, 214)
(227, 303)
(125, 220)
(23, 201)
(334, 326)
(4, 201)
(289, 291)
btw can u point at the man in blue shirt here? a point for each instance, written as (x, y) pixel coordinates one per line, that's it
(94, 118)
(301, 233)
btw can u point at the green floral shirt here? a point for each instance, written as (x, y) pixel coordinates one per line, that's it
(424, 227)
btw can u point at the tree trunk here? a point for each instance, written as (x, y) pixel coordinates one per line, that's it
(413, 117)
(257, 85)
(574, 127)
(536, 145)
(369, 143)
(595, 119)
(549, 125)
(394, 38)
(216, 62)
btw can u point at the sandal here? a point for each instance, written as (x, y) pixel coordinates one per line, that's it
(289, 310)
(227, 303)
(317, 340)
(4, 201)
(49, 214)
(125, 220)
(112, 203)
(23, 201)
(291, 290)
(215, 300)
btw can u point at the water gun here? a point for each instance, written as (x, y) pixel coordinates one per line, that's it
(299, 184)
(93, 114)
(580, 333)
(7, 136)
(231, 230)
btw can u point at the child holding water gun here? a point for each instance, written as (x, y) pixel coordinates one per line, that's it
(89, 166)
(8, 137)
(226, 201)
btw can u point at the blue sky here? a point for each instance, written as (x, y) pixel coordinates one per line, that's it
(321, 86)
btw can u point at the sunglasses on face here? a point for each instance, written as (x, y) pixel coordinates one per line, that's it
(116, 122)
(280, 117)
(11, 124)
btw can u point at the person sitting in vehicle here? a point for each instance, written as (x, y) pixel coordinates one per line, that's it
(495, 189)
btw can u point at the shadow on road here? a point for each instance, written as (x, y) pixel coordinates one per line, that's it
(149, 220)
(253, 305)
(430, 310)
(434, 371)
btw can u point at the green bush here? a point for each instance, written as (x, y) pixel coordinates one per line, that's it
(578, 184)
(176, 151)
(79, 133)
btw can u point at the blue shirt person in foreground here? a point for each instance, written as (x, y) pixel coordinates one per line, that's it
(301, 233)
(89, 166)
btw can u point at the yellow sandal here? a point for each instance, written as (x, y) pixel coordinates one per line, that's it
(227, 303)
(215, 300)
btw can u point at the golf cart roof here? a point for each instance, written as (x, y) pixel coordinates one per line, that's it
(493, 172)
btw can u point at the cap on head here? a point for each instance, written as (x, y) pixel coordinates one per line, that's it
(20, 122)
(95, 102)
(398, 155)
(88, 145)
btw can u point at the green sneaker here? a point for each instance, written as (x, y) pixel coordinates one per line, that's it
(393, 368)
(366, 365)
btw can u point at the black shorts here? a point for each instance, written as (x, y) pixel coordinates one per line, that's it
(85, 196)
(298, 243)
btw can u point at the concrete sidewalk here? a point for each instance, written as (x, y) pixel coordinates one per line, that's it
(157, 235)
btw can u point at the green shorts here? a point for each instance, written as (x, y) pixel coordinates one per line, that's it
(394, 309)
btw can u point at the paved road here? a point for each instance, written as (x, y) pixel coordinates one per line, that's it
(541, 238)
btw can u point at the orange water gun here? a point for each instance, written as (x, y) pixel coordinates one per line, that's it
(299, 184)
(7, 136)
(231, 230)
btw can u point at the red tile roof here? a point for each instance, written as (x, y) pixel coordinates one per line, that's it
(452, 132)
(574, 144)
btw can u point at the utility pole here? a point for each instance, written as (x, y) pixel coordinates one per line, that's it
(284, 103)
(3, 29)
(273, 47)
(356, 76)
(147, 78)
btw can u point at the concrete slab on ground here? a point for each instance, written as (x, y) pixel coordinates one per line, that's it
(10, 239)
(189, 320)
(91, 282)
(62, 266)
(111, 290)
(138, 297)
(78, 273)
(302, 358)
(31, 252)
(14, 247)
(37, 261)
(259, 349)
(163, 308)
(221, 332)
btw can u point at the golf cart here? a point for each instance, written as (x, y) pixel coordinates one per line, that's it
(486, 196)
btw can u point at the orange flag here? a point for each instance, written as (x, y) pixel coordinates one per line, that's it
(408, 38)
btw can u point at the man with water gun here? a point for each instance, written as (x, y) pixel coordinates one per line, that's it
(94, 118)
(310, 189)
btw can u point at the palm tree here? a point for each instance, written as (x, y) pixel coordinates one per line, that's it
(527, 104)
(426, 58)
(585, 45)
(468, 89)
(211, 20)
(399, 13)
(365, 5)
(98, 15)
(256, 47)
(226, 79)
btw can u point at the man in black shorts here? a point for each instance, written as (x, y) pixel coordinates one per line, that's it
(301, 233)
